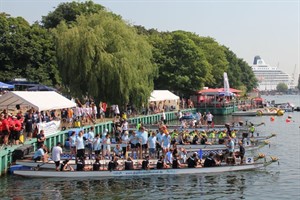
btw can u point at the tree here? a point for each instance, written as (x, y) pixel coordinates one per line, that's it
(101, 56)
(26, 51)
(182, 65)
(69, 11)
(282, 87)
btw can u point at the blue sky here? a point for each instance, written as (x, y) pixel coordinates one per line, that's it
(249, 28)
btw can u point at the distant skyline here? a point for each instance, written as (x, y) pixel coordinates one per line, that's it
(269, 29)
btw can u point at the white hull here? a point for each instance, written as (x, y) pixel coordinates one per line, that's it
(134, 173)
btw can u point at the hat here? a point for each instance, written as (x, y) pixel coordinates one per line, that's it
(106, 130)
(14, 117)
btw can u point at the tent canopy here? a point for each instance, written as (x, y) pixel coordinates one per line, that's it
(6, 86)
(40, 100)
(161, 95)
(216, 91)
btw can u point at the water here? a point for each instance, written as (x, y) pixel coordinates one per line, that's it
(273, 182)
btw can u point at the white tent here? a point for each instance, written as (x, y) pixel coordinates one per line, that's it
(161, 95)
(164, 98)
(40, 100)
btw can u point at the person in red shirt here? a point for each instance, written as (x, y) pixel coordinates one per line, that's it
(5, 129)
(16, 130)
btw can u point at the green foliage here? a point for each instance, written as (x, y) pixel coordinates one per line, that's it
(240, 74)
(183, 67)
(26, 51)
(69, 11)
(282, 87)
(101, 56)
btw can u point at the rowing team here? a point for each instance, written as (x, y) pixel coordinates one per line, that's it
(192, 162)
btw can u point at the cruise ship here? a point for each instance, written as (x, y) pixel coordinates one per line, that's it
(269, 77)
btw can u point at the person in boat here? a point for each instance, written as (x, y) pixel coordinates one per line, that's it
(72, 142)
(133, 140)
(56, 152)
(221, 137)
(106, 146)
(96, 164)
(159, 136)
(183, 155)
(230, 151)
(175, 163)
(80, 145)
(241, 152)
(65, 166)
(113, 164)
(195, 139)
(160, 164)
(80, 166)
(169, 157)
(128, 164)
(146, 163)
(97, 145)
(152, 144)
(192, 161)
(118, 151)
(40, 154)
(210, 160)
(252, 129)
(212, 137)
(125, 141)
(166, 142)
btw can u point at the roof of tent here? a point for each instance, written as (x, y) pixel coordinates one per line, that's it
(161, 95)
(6, 86)
(213, 91)
(40, 100)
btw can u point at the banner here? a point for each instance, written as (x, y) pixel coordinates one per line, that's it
(49, 128)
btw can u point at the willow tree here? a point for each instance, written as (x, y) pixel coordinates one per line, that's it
(102, 56)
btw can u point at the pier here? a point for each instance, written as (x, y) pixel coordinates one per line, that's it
(8, 154)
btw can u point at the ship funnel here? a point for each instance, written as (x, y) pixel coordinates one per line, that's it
(258, 61)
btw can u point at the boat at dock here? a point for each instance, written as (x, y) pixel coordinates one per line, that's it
(137, 173)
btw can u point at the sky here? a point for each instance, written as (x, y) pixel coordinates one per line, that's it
(266, 28)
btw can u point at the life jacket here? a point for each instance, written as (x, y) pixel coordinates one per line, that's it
(221, 135)
(96, 166)
(212, 135)
(159, 164)
(175, 163)
(128, 165)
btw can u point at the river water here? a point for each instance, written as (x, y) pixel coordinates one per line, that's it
(277, 181)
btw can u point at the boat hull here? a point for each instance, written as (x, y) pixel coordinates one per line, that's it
(137, 173)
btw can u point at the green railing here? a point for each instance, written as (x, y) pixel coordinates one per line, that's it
(6, 152)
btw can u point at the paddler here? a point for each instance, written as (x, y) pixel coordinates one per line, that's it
(222, 136)
(252, 129)
(212, 136)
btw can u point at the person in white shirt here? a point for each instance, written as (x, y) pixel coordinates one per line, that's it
(143, 138)
(118, 151)
(125, 141)
(159, 136)
(56, 152)
(80, 145)
(152, 145)
(209, 118)
(97, 145)
(166, 143)
(106, 146)
(90, 139)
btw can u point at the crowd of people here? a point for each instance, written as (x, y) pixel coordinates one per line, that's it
(140, 144)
